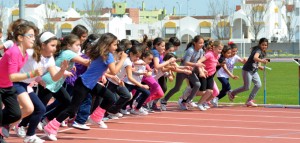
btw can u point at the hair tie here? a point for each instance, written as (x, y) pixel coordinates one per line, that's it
(46, 36)
(230, 43)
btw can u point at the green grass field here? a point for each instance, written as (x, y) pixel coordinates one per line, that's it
(282, 85)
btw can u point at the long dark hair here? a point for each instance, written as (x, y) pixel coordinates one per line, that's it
(261, 40)
(87, 44)
(195, 40)
(79, 30)
(101, 48)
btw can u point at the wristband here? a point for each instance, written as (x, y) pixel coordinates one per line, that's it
(27, 74)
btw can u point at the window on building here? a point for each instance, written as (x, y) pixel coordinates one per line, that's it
(297, 11)
(141, 32)
(152, 32)
(205, 32)
(102, 31)
(170, 32)
(128, 32)
(65, 33)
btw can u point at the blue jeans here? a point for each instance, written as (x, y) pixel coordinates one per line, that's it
(84, 110)
(225, 87)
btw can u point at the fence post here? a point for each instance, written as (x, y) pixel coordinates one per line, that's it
(297, 61)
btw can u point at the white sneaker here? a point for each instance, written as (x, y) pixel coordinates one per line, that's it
(63, 124)
(124, 112)
(215, 102)
(181, 104)
(192, 104)
(20, 131)
(205, 105)
(142, 111)
(201, 107)
(40, 126)
(33, 139)
(111, 116)
(80, 126)
(90, 120)
(251, 104)
(51, 137)
(102, 125)
(134, 112)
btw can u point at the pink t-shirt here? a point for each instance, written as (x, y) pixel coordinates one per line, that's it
(11, 62)
(211, 62)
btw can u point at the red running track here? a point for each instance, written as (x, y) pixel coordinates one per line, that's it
(236, 124)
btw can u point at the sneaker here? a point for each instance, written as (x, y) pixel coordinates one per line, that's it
(215, 102)
(90, 120)
(102, 125)
(251, 104)
(20, 131)
(40, 126)
(192, 104)
(182, 105)
(201, 107)
(155, 107)
(205, 105)
(230, 95)
(50, 136)
(63, 124)
(163, 105)
(80, 126)
(33, 139)
(142, 111)
(134, 112)
(124, 112)
(112, 116)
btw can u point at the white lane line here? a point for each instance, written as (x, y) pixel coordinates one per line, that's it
(228, 114)
(258, 110)
(279, 135)
(203, 126)
(115, 139)
(198, 134)
(223, 120)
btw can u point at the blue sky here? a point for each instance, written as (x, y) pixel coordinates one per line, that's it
(196, 7)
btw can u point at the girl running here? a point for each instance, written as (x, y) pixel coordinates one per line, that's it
(10, 66)
(39, 57)
(249, 72)
(102, 59)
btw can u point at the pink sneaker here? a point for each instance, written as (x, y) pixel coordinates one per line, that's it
(251, 104)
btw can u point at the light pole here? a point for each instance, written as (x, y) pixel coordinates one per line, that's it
(22, 9)
(179, 20)
(187, 7)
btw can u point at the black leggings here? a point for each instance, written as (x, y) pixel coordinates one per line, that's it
(61, 96)
(12, 112)
(79, 94)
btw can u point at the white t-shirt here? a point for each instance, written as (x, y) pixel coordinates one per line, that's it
(31, 64)
(122, 74)
(138, 69)
(230, 65)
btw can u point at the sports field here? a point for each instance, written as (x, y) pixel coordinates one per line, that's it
(282, 85)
